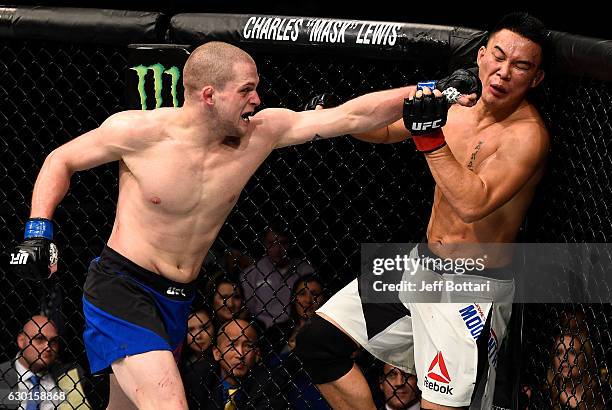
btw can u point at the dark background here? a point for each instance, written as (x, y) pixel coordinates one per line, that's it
(584, 17)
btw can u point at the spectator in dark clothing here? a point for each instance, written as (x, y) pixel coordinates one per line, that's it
(242, 382)
(267, 284)
(35, 378)
(197, 363)
(307, 296)
(226, 300)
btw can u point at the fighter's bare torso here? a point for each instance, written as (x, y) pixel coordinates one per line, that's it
(182, 169)
(476, 145)
(175, 194)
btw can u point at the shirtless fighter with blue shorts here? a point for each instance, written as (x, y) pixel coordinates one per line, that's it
(181, 171)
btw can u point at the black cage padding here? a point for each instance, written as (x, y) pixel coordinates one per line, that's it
(96, 26)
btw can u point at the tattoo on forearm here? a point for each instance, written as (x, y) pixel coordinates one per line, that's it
(470, 164)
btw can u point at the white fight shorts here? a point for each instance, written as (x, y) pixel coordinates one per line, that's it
(439, 342)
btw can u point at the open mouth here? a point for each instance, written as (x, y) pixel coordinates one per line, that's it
(499, 89)
(246, 117)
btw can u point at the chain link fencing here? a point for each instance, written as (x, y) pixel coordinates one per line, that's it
(322, 199)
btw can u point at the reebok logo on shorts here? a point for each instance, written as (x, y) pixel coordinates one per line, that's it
(441, 373)
(438, 372)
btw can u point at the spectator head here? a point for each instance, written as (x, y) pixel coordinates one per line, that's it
(38, 343)
(571, 378)
(277, 240)
(308, 293)
(201, 331)
(236, 349)
(398, 387)
(226, 299)
(235, 261)
(570, 359)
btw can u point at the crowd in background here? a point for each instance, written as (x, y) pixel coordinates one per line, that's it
(239, 348)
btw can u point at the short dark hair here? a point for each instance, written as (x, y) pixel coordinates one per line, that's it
(527, 26)
(217, 281)
(310, 277)
(249, 324)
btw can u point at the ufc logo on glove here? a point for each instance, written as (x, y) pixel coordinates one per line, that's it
(21, 258)
(427, 125)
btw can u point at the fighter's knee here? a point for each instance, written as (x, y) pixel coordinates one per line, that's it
(178, 404)
(324, 350)
(162, 398)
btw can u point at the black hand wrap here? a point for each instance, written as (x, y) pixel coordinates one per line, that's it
(36, 258)
(462, 81)
(326, 100)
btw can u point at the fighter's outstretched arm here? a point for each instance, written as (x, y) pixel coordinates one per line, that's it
(389, 134)
(109, 142)
(397, 132)
(462, 87)
(367, 112)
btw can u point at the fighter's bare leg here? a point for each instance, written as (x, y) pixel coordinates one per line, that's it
(347, 391)
(350, 391)
(117, 399)
(151, 380)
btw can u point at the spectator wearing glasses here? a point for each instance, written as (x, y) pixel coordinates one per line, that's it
(36, 379)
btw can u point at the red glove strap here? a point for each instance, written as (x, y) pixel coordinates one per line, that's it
(430, 142)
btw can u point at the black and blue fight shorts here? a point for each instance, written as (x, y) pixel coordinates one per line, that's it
(130, 310)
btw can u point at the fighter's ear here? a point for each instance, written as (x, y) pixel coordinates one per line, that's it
(22, 341)
(207, 94)
(537, 79)
(217, 353)
(480, 55)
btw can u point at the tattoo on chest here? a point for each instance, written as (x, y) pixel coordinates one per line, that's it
(470, 164)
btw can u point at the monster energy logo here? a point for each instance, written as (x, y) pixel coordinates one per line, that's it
(158, 71)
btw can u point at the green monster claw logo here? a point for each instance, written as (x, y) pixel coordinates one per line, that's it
(158, 70)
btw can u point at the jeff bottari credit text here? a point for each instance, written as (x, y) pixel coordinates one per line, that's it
(410, 266)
